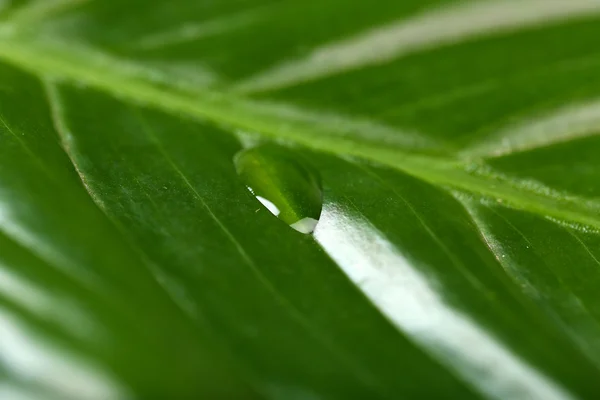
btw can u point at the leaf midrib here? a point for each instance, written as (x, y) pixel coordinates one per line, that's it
(46, 61)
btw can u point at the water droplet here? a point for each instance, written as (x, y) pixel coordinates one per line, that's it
(283, 183)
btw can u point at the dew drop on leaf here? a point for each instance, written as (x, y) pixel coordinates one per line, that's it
(284, 183)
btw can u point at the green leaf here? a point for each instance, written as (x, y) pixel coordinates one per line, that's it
(448, 149)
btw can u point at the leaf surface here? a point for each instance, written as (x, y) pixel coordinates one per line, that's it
(456, 255)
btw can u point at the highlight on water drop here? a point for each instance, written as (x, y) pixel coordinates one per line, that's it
(284, 183)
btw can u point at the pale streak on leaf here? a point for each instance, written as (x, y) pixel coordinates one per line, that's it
(187, 75)
(122, 79)
(12, 227)
(329, 123)
(190, 32)
(14, 391)
(412, 303)
(561, 125)
(435, 28)
(342, 125)
(57, 371)
(165, 72)
(46, 305)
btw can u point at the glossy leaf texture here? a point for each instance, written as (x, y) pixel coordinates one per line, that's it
(448, 148)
